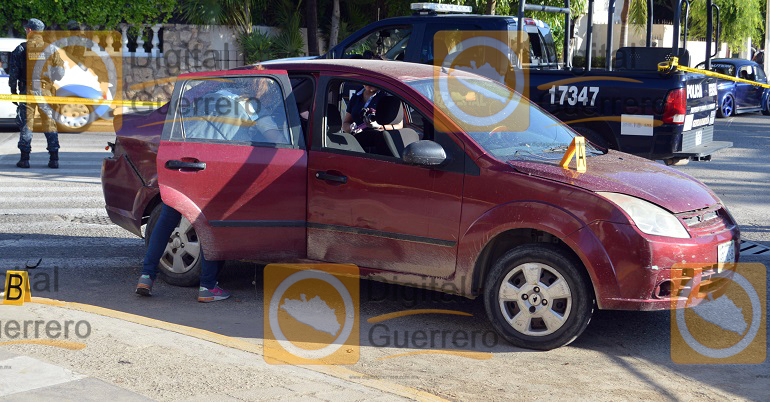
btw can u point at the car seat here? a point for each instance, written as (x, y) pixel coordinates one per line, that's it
(390, 111)
(335, 137)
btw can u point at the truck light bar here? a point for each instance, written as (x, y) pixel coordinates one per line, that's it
(441, 8)
(548, 9)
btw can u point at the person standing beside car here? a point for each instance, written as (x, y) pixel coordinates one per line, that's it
(208, 291)
(31, 51)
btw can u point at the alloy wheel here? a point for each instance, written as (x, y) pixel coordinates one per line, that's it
(535, 299)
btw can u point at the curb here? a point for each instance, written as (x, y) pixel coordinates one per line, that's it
(338, 372)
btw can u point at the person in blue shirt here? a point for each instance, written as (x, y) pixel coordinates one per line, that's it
(362, 109)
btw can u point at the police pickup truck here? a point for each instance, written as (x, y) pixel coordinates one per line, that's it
(628, 106)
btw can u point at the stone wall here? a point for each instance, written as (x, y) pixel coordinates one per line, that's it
(186, 48)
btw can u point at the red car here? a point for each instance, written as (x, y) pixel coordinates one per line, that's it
(271, 176)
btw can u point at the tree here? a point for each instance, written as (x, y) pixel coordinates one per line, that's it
(740, 20)
(491, 5)
(97, 14)
(311, 17)
(235, 13)
(634, 12)
(334, 32)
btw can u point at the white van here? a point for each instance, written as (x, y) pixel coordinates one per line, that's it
(7, 109)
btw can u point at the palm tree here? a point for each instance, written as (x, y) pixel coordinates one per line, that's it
(235, 13)
(635, 12)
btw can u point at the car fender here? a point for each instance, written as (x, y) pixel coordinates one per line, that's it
(530, 215)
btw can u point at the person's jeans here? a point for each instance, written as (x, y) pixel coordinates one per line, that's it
(25, 132)
(167, 221)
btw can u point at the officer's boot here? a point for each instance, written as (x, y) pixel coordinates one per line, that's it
(24, 161)
(53, 163)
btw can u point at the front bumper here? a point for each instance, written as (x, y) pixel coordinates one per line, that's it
(640, 264)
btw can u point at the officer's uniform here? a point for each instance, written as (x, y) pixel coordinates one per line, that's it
(30, 115)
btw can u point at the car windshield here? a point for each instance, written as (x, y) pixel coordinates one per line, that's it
(545, 138)
(723, 68)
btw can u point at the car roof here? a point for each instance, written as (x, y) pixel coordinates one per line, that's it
(735, 61)
(396, 70)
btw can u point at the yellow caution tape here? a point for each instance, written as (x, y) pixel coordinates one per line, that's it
(673, 65)
(68, 100)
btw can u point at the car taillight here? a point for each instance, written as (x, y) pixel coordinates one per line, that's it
(675, 107)
(529, 21)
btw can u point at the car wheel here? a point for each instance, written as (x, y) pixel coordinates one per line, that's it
(74, 118)
(537, 297)
(766, 109)
(180, 264)
(727, 108)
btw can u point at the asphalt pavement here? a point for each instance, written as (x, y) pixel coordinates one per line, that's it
(169, 347)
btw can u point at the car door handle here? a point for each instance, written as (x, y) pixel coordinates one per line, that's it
(331, 177)
(177, 164)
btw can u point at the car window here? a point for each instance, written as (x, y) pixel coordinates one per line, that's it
(403, 124)
(388, 44)
(747, 73)
(240, 110)
(4, 59)
(760, 75)
(427, 51)
(722, 68)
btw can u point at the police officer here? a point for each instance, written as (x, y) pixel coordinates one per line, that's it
(32, 50)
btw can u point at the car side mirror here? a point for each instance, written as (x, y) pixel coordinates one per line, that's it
(424, 153)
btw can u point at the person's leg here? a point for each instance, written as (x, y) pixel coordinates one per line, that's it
(25, 134)
(209, 291)
(167, 221)
(51, 133)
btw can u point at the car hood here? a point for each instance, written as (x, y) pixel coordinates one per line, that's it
(627, 174)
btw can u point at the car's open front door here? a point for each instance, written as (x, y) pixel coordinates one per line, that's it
(232, 160)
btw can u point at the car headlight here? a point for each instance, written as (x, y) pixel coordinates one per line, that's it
(648, 217)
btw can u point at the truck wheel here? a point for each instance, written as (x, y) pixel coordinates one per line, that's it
(180, 264)
(677, 161)
(727, 108)
(537, 297)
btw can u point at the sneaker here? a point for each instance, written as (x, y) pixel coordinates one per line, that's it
(211, 295)
(144, 287)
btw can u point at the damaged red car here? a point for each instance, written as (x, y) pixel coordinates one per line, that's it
(414, 196)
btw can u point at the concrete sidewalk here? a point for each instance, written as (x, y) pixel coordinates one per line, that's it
(128, 357)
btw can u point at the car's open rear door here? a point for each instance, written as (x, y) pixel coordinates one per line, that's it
(232, 160)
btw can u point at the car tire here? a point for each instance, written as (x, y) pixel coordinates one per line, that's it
(766, 109)
(517, 294)
(180, 264)
(727, 107)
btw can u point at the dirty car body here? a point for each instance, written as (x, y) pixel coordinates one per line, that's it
(511, 227)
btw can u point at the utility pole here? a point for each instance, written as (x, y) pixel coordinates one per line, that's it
(767, 37)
